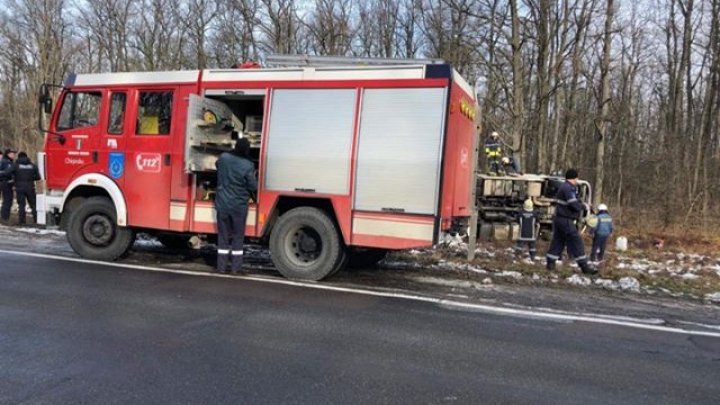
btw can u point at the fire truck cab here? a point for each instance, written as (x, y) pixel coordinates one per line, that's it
(351, 161)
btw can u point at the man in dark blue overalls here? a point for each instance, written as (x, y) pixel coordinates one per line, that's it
(236, 185)
(568, 209)
(24, 173)
(6, 184)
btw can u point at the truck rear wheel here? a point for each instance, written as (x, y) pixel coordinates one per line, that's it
(93, 232)
(305, 245)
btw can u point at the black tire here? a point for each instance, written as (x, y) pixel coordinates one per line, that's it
(93, 232)
(306, 245)
(68, 210)
(174, 241)
(365, 258)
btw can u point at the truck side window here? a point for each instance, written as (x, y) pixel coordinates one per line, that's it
(154, 112)
(79, 109)
(117, 113)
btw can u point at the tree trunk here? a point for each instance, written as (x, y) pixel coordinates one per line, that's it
(602, 125)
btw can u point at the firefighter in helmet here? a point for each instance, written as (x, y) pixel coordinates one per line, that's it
(601, 233)
(236, 185)
(493, 152)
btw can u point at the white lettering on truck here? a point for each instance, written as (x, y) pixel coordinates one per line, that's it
(148, 162)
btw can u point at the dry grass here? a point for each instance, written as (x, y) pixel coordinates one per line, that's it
(698, 252)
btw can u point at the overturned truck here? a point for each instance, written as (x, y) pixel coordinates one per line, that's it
(500, 198)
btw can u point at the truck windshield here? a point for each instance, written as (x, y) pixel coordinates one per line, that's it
(79, 109)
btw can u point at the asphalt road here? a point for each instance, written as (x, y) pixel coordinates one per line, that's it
(87, 333)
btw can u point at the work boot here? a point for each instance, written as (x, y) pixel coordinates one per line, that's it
(236, 262)
(587, 268)
(222, 263)
(550, 265)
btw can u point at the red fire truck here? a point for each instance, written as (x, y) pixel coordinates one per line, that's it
(352, 161)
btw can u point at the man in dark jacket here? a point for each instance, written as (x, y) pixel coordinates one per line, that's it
(236, 185)
(568, 209)
(24, 174)
(602, 232)
(6, 185)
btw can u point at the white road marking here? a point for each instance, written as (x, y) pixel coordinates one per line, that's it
(489, 309)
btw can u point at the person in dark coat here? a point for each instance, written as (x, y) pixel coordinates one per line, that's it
(529, 225)
(601, 234)
(568, 210)
(6, 184)
(24, 174)
(236, 185)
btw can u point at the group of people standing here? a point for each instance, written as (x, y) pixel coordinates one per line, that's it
(17, 178)
(568, 211)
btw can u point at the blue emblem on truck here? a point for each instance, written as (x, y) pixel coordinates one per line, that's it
(116, 164)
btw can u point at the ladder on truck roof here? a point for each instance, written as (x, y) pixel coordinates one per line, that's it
(314, 61)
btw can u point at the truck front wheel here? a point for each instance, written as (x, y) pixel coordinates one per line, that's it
(305, 245)
(93, 232)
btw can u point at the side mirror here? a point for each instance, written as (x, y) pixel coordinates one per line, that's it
(45, 100)
(48, 105)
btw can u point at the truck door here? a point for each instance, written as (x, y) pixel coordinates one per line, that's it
(111, 144)
(78, 126)
(148, 157)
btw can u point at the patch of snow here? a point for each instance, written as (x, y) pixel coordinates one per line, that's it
(38, 231)
(487, 280)
(477, 270)
(510, 274)
(535, 276)
(606, 283)
(148, 243)
(629, 284)
(713, 298)
(689, 276)
(446, 282)
(578, 280)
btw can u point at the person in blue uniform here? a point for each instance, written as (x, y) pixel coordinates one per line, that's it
(602, 232)
(6, 184)
(236, 185)
(529, 225)
(24, 174)
(568, 210)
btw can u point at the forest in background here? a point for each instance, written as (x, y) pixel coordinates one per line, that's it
(627, 92)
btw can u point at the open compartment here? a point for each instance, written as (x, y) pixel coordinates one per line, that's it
(215, 122)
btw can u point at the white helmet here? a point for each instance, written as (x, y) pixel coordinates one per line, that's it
(505, 160)
(494, 134)
(602, 207)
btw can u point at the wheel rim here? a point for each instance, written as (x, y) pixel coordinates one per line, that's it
(98, 230)
(304, 245)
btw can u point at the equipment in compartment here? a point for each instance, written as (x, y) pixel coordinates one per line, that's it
(210, 124)
(209, 127)
(253, 129)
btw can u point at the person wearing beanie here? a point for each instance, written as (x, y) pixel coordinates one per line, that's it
(601, 233)
(24, 174)
(236, 185)
(6, 184)
(568, 209)
(529, 226)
